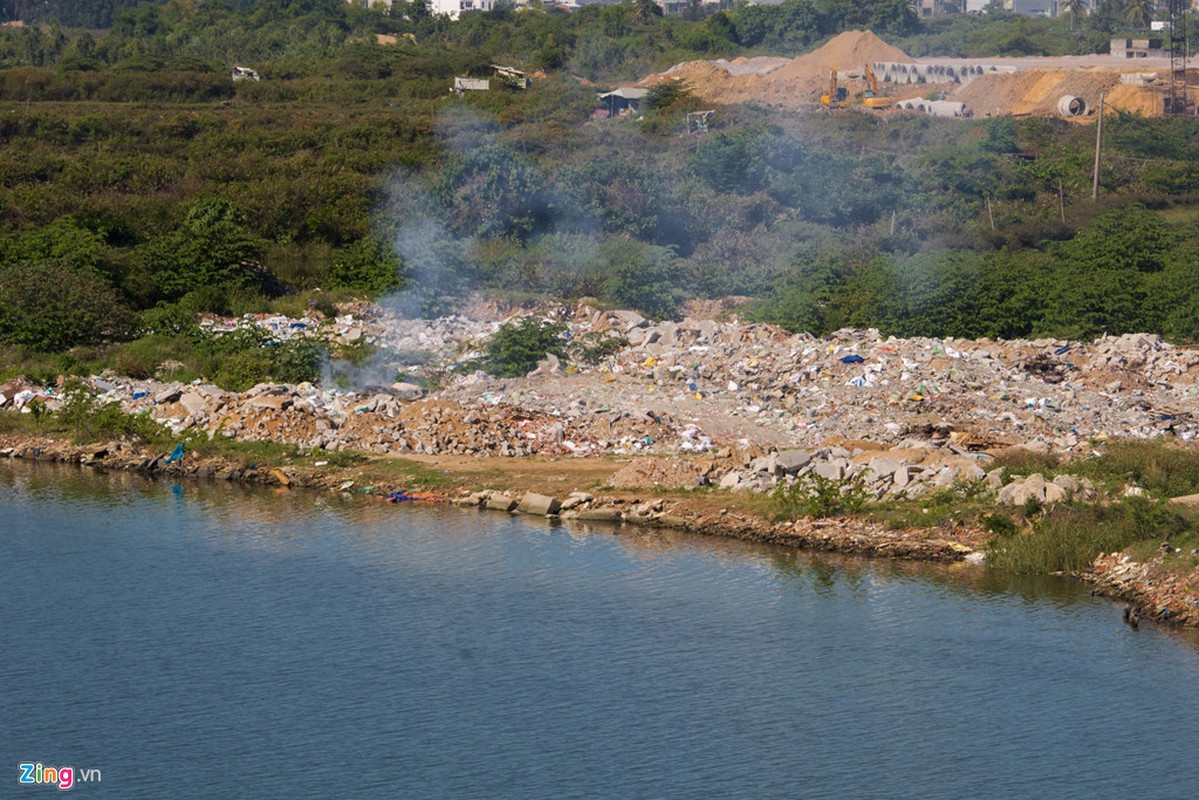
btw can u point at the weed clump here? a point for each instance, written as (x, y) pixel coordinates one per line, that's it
(1069, 538)
(813, 495)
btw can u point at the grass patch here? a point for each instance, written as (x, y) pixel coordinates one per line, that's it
(1164, 469)
(948, 507)
(412, 474)
(1025, 462)
(1070, 537)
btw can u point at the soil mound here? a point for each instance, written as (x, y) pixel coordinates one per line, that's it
(784, 83)
(845, 51)
(1036, 91)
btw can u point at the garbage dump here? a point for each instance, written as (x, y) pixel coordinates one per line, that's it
(908, 414)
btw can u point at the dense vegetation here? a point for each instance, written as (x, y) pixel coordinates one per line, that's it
(139, 184)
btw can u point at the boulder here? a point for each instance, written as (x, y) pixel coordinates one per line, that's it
(195, 404)
(730, 480)
(538, 504)
(832, 470)
(407, 391)
(272, 402)
(1054, 494)
(501, 502)
(995, 478)
(576, 499)
(168, 395)
(792, 461)
(600, 515)
(884, 465)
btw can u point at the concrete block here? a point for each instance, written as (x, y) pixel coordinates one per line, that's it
(538, 504)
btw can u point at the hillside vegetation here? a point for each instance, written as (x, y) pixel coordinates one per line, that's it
(141, 185)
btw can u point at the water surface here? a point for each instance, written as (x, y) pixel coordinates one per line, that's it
(207, 641)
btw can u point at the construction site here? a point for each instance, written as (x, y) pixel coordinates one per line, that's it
(858, 69)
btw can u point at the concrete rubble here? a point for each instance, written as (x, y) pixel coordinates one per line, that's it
(907, 415)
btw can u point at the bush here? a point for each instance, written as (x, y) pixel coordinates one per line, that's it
(813, 495)
(88, 419)
(367, 267)
(53, 306)
(517, 347)
(247, 357)
(1162, 469)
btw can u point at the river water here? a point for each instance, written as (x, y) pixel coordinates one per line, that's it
(214, 642)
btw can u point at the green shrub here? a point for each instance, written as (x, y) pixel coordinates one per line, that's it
(998, 523)
(247, 356)
(517, 347)
(813, 495)
(87, 419)
(1164, 469)
(53, 306)
(592, 348)
(367, 267)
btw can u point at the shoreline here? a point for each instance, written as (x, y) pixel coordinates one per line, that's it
(1157, 594)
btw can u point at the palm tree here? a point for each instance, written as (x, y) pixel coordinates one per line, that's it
(1075, 7)
(1140, 12)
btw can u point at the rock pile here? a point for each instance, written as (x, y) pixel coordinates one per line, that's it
(773, 405)
(1036, 489)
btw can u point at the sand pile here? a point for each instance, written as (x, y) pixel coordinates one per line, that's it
(1036, 91)
(846, 51)
(780, 82)
(1148, 101)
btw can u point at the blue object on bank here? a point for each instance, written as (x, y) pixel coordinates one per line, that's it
(176, 454)
(854, 359)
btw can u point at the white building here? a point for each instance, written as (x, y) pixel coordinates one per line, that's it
(453, 8)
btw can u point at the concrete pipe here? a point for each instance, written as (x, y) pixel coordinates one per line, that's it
(1071, 106)
(946, 108)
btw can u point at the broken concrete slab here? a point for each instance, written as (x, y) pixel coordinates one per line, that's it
(538, 504)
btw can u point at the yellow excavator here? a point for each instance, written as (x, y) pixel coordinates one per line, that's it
(873, 96)
(837, 96)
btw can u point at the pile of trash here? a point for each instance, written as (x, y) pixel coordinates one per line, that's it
(752, 393)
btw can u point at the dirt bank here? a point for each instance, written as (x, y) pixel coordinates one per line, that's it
(468, 483)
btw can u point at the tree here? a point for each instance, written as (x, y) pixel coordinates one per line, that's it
(638, 275)
(645, 11)
(212, 248)
(1140, 12)
(516, 347)
(732, 162)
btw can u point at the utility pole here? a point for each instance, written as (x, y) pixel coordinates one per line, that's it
(1178, 101)
(1098, 144)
